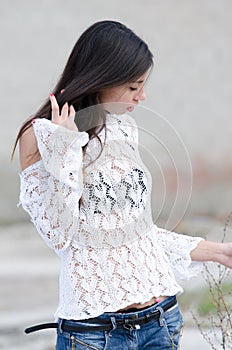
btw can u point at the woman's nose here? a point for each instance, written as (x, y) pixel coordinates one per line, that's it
(141, 96)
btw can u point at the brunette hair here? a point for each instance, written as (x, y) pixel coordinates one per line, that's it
(107, 54)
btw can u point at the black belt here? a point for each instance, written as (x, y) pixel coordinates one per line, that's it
(105, 325)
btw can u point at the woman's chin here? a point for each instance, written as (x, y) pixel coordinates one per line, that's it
(118, 108)
(130, 109)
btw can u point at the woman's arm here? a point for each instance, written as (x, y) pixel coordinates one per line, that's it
(186, 253)
(51, 189)
(213, 251)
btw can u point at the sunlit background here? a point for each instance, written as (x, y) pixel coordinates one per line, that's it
(190, 86)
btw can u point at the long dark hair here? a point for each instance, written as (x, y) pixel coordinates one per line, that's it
(107, 54)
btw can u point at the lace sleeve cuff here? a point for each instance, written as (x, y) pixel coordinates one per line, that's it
(177, 248)
(60, 149)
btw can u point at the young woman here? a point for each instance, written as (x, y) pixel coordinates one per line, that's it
(88, 194)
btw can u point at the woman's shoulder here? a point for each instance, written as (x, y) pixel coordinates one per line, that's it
(28, 148)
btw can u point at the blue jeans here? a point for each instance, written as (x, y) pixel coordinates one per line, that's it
(161, 334)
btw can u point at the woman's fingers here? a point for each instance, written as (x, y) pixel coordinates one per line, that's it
(70, 122)
(64, 112)
(67, 115)
(72, 112)
(55, 109)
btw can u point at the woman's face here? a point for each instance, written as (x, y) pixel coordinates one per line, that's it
(124, 98)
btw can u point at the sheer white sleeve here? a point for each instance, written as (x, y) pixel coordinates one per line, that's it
(177, 248)
(51, 188)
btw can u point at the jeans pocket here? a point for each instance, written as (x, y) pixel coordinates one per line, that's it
(174, 326)
(88, 341)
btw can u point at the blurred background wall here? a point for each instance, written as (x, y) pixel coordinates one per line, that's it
(191, 85)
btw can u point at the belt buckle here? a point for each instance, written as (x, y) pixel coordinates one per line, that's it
(127, 325)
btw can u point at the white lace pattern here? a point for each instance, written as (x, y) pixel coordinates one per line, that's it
(97, 217)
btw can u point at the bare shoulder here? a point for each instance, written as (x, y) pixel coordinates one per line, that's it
(28, 149)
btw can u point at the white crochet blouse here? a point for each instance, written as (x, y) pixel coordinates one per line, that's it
(112, 254)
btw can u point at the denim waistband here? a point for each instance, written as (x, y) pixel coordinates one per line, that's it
(144, 312)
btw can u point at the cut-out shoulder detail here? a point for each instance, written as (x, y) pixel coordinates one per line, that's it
(28, 149)
(30, 167)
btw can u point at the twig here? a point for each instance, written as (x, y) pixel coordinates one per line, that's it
(222, 321)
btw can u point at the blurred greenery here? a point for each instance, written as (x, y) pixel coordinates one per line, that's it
(206, 305)
(202, 299)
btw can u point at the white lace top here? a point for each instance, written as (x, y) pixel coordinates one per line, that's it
(112, 254)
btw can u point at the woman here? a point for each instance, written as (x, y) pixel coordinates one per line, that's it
(88, 194)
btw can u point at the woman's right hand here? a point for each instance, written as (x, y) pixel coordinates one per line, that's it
(66, 117)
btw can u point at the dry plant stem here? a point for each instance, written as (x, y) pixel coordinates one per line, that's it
(206, 335)
(222, 322)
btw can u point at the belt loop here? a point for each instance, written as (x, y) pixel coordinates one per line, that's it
(113, 321)
(161, 318)
(60, 323)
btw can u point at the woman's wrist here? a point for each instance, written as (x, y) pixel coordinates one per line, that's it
(213, 251)
(225, 258)
(207, 251)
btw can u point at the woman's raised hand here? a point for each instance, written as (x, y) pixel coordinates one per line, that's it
(65, 117)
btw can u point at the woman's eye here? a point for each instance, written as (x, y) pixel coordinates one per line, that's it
(133, 88)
